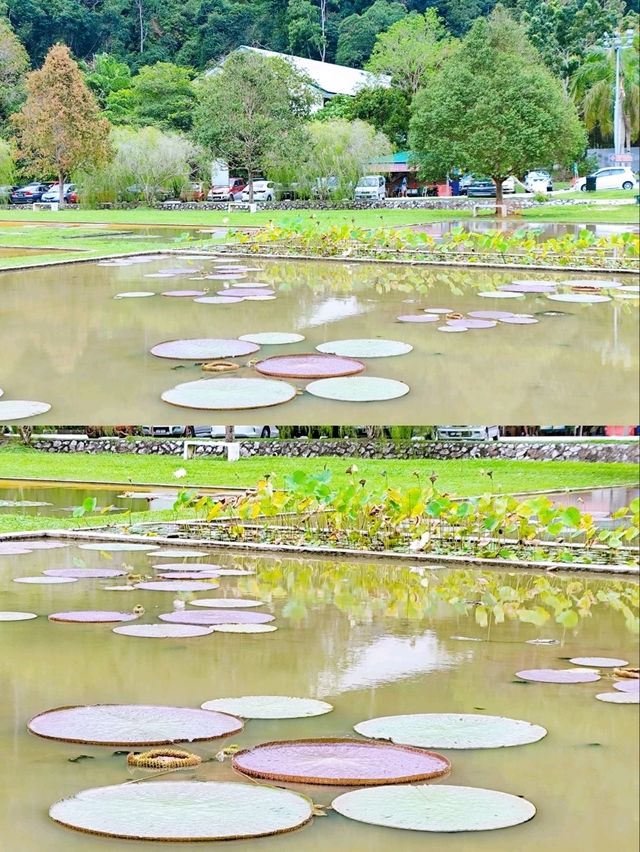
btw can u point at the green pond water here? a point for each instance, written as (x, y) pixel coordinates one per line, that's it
(372, 639)
(66, 341)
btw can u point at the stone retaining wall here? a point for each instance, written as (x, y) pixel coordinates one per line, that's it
(368, 449)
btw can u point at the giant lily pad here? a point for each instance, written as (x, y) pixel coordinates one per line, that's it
(244, 628)
(627, 685)
(226, 603)
(236, 572)
(44, 581)
(178, 553)
(519, 320)
(365, 348)
(272, 338)
(163, 631)
(418, 318)
(216, 616)
(269, 707)
(186, 566)
(430, 807)
(17, 616)
(183, 294)
(472, 323)
(19, 409)
(132, 724)
(47, 545)
(592, 283)
(184, 810)
(452, 730)
(598, 662)
(92, 616)
(230, 394)
(530, 287)
(583, 298)
(340, 762)
(245, 292)
(177, 585)
(189, 575)
(217, 300)
(619, 697)
(116, 546)
(453, 329)
(80, 573)
(358, 389)
(500, 294)
(309, 366)
(559, 675)
(203, 349)
(497, 315)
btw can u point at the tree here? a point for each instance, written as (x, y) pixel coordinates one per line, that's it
(357, 33)
(59, 127)
(106, 74)
(339, 149)
(593, 88)
(163, 95)
(250, 110)
(14, 64)
(494, 109)
(411, 50)
(303, 28)
(7, 168)
(386, 109)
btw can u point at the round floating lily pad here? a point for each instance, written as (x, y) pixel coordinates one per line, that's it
(619, 697)
(627, 685)
(47, 545)
(134, 294)
(438, 310)
(259, 298)
(444, 808)
(254, 285)
(45, 581)
(216, 616)
(340, 762)
(245, 292)
(500, 294)
(598, 662)
(418, 318)
(452, 730)
(163, 631)
(592, 282)
(13, 549)
(472, 323)
(630, 288)
(453, 329)
(92, 616)
(272, 338)
(529, 287)
(203, 349)
(269, 707)
(365, 348)
(183, 294)
(177, 585)
(17, 616)
(496, 315)
(559, 675)
(115, 546)
(17, 409)
(176, 552)
(309, 366)
(132, 724)
(82, 573)
(230, 394)
(227, 603)
(187, 566)
(225, 276)
(184, 810)
(583, 298)
(244, 628)
(217, 300)
(235, 572)
(189, 575)
(519, 320)
(358, 389)
(127, 588)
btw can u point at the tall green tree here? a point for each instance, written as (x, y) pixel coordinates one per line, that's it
(386, 109)
(250, 111)
(357, 33)
(494, 109)
(163, 95)
(410, 50)
(106, 74)
(14, 64)
(59, 127)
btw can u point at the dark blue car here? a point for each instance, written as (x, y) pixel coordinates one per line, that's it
(28, 194)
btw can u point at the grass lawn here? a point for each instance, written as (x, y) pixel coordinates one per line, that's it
(464, 477)
(624, 214)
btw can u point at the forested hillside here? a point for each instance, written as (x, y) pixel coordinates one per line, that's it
(195, 33)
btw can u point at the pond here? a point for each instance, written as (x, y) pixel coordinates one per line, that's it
(545, 230)
(68, 342)
(371, 639)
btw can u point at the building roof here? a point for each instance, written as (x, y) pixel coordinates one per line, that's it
(330, 79)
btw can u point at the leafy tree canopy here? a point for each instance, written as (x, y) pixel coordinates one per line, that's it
(14, 64)
(357, 33)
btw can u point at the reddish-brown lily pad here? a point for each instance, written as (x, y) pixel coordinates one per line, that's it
(92, 616)
(203, 349)
(132, 724)
(309, 366)
(80, 573)
(340, 762)
(559, 675)
(216, 616)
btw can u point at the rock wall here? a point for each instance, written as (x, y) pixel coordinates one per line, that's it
(352, 448)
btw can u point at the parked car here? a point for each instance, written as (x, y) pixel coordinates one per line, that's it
(246, 431)
(472, 433)
(168, 431)
(53, 193)
(28, 194)
(484, 187)
(193, 192)
(616, 177)
(536, 175)
(263, 190)
(371, 188)
(230, 191)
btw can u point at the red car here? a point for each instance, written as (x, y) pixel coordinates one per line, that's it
(232, 192)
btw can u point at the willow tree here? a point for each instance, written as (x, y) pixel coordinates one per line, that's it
(14, 64)
(60, 128)
(494, 109)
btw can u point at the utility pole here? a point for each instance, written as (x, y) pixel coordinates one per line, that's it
(618, 42)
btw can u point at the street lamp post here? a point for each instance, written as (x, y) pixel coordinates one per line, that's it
(618, 42)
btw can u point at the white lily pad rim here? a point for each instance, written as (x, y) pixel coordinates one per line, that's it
(8, 615)
(185, 553)
(269, 706)
(19, 409)
(272, 338)
(434, 807)
(365, 348)
(358, 389)
(135, 294)
(579, 298)
(452, 730)
(599, 662)
(500, 294)
(163, 631)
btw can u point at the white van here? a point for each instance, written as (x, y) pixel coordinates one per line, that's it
(371, 188)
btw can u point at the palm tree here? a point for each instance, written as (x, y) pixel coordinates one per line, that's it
(593, 89)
